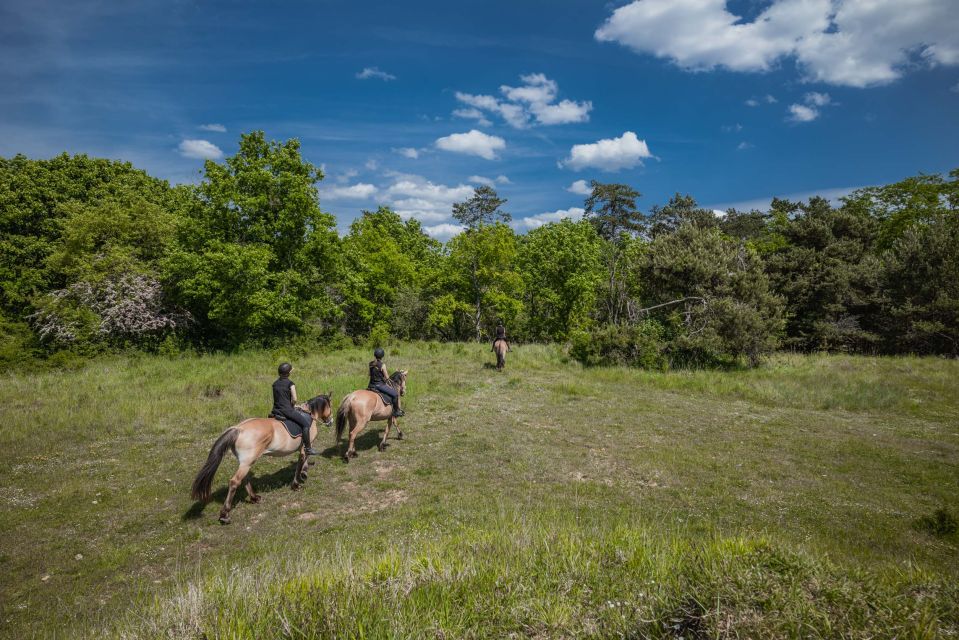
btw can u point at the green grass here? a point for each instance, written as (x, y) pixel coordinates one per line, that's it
(544, 501)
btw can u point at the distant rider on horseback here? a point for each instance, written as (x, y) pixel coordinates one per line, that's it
(500, 335)
(284, 405)
(380, 382)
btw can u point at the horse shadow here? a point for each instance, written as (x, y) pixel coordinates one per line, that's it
(367, 440)
(262, 484)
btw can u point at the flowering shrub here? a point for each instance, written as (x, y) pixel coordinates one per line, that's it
(127, 307)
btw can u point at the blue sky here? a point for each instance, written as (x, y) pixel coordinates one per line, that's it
(412, 104)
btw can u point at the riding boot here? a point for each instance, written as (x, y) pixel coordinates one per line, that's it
(306, 443)
(397, 412)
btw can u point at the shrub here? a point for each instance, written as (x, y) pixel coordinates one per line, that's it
(639, 345)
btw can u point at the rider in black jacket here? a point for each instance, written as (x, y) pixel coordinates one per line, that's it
(284, 405)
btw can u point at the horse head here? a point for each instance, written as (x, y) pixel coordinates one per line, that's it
(399, 381)
(321, 408)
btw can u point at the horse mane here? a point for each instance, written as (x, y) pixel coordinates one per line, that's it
(397, 377)
(318, 402)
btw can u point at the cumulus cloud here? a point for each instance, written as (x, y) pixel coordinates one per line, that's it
(742, 146)
(810, 110)
(839, 42)
(580, 187)
(534, 222)
(472, 113)
(533, 102)
(443, 231)
(474, 142)
(202, 149)
(358, 191)
(609, 154)
(374, 73)
(490, 181)
(413, 196)
(408, 152)
(219, 128)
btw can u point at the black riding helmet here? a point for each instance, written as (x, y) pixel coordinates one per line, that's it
(285, 369)
(378, 353)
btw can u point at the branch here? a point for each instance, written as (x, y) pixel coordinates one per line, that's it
(666, 304)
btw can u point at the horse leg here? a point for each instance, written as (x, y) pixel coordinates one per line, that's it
(254, 498)
(386, 433)
(299, 474)
(235, 483)
(355, 431)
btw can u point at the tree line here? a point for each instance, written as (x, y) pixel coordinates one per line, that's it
(97, 256)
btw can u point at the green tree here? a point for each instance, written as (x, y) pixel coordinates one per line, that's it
(481, 281)
(611, 208)
(389, 264)
(561, 268)
(482, 208)
(256, 257)
(719, 307)
(678, 211)
(827, 271)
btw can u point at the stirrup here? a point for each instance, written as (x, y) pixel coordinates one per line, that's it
(398, 413)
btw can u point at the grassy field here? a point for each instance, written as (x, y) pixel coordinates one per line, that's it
(545, 501)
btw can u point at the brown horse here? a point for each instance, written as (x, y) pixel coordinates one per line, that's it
(251, 439)
(362, 407)
(500, 347)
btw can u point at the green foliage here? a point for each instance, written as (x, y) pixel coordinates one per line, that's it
(828, 274)
(734, 313)
(939, 523)
(389, 263)
(255, 254)
(484, 282)
(612, 208)
(561, 268)
(640, 345)
(482, 208)
(680, 210)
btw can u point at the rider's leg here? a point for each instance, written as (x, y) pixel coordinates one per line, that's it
(394, 400)
(306, 423)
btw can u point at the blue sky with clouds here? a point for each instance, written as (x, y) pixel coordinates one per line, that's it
(413, 104)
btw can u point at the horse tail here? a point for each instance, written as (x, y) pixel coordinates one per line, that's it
(204, 479)
(341, 416)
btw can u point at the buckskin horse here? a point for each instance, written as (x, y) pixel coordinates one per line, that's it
(364, 406)
(500, 347)
(251, 439)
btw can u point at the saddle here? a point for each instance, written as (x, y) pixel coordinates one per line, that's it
(388, 401)
(292, 428)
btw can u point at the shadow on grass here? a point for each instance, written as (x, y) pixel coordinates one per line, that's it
(367, 440)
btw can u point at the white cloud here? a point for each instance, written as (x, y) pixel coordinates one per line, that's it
(840, 42)
(413, 196)
(732, 127)
(443, 231)
(202, 149)
(489, 181)
(762, 204)
(534, 222)
(358, 191)
(802, 113)
(408, 152)
(531, 102)
(474, 142)
(219, 128)
(752, 102)
(809, 111)
(374, 72)
(742, 146)
(472, 113)
(580, 187)
(609, 154)
(770, 99)
(372, 164)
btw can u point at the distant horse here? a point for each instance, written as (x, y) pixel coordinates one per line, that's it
(251, 439)
(500, 347)
(362, 407)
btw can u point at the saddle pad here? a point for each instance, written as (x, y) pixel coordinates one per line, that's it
(294, 429)
(388, 401)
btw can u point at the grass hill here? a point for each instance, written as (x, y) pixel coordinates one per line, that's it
(811, 497)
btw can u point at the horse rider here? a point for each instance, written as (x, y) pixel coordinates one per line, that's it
(500, 335)
(380, 382)
(284, 405)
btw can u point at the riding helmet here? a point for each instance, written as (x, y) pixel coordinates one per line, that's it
(378, 353)
(285, 369)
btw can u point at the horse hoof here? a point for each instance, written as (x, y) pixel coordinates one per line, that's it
(399, 436)
(256, 499)
(382, 447)
(295, 486)
(224, 519)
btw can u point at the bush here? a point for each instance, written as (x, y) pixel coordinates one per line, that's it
(640, 345)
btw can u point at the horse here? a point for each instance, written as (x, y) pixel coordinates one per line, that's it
(252, 438)
(363, 406)
(500, 347)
